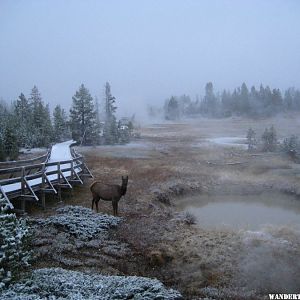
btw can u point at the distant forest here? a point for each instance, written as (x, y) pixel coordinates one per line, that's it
(27, 122)
(262, 102)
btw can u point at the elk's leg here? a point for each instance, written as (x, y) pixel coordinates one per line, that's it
(93, 203)
(97, 201)
(115, 207)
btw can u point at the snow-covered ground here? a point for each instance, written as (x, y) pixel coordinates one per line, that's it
(74, 228)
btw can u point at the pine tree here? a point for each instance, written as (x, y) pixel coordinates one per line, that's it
(60, 126)
(47, 128)
(269, 139)
(111, 135)
(37, 108)
(98, 120)
(41, 126)
(226, 101)
(83, 117)
(23, 115)
(3, 124)
(244, 99)
(11, 148)
(291, 146)
(172, 109)
(251, 140)
(209, 104)
(288, 98)
(276, 99)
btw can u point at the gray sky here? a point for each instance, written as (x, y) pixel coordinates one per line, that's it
(147, 50)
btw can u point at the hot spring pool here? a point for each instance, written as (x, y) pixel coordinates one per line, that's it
(243, 211)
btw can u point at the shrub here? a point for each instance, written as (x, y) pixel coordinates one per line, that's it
(13, 243)
(189, 218)
(291, 146)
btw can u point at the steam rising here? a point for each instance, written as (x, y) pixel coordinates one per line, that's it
(270, 260)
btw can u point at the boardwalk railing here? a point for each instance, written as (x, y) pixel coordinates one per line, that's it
(25, 182)
(39, 159)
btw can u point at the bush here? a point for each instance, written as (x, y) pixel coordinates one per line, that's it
(56, 283)
(291, 146)
(13, 243)
(189, 218)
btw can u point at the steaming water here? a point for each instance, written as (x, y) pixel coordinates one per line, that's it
(243, 211)
(230, 141)
(268, 228)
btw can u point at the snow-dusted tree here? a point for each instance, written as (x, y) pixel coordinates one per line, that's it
(269, 139)
(10, 140)
(23, 116)
(288, 98)
(291, 146)
(110, 125)
(37, 108)
(41, 126)
(83, 117)
(3, 123)
(244, 105)
(99, 125)
(277, 100)
(13, 245)
(251, 139)
(172, 110)
(60, 124)
(209, 103)
(47, 127)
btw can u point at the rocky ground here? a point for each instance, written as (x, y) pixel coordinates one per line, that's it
(155, 239)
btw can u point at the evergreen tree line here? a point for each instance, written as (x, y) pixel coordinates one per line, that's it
(262, 102)
(27, 122)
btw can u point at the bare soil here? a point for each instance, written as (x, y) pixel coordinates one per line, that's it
(168, 162)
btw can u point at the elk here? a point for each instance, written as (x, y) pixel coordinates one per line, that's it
(108, 192)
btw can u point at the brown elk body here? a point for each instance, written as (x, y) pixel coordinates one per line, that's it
(108, 192)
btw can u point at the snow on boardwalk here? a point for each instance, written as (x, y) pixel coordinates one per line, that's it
(59, 152)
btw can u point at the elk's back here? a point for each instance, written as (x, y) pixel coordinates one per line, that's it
(105, 191)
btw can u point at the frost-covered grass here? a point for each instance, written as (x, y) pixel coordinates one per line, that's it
(57, 283)
(79, 221)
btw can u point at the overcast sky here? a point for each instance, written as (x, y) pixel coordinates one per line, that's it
(147, 50)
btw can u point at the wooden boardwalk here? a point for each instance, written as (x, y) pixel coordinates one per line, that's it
(24, 180)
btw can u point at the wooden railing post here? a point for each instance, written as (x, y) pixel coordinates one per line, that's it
(23, 189)
(58, 179)
(43, 186)
(72, 169)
